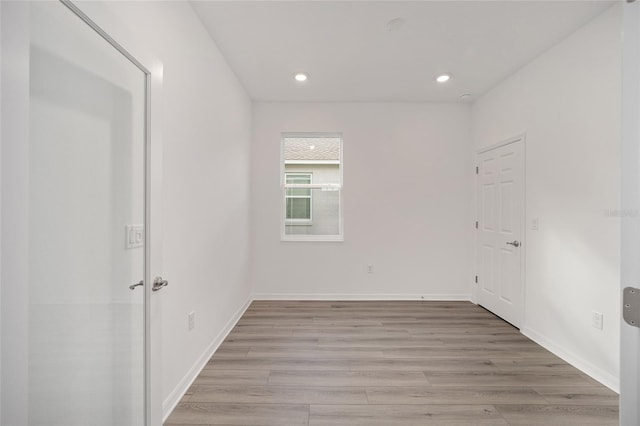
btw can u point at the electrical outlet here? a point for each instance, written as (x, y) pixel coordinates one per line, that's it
(192, 320)
(597, 320)
(370, 269)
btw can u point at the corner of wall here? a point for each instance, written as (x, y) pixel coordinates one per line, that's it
(609, 380)
(573, 257)
(174, 397)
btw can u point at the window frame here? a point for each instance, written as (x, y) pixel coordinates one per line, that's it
(296, 221)
(339, 237)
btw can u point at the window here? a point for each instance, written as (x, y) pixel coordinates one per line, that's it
(312, 187)
(298, 208)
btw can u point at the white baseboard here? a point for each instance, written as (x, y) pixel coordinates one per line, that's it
(172, 400)
(348, 296)
(607, 379)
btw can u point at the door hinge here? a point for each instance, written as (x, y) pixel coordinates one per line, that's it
(476, 279)
(476, 224)
(477, 170)
(631, 306)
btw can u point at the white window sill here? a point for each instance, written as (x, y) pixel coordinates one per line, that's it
(312, 238)
(299, 222)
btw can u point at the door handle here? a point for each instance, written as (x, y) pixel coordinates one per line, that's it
(514, 243)
(133, 286)
(159, 284)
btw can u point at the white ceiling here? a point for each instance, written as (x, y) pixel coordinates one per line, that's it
(350, 55)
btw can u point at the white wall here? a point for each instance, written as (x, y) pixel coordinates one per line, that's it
(15, 106)
(206, 132)
(567, 101)
(406, 202)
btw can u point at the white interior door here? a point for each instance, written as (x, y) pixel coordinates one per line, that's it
(500, 196)
(630, 269)
(76, 207)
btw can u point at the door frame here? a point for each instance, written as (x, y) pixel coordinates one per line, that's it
(520, 138)
(102, 20)
(152, 404)
(630, 202)
(15, 138)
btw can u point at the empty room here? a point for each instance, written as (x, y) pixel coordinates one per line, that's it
(319, 213)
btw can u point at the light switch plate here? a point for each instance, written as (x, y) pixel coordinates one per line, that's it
(134, 236)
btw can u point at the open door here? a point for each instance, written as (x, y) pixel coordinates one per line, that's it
(630, 271)
(80, 252)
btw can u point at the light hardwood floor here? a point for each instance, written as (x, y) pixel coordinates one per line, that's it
(387, 363)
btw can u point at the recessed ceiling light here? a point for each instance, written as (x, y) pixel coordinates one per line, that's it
(312, 147)
(300, 76)
(443, 78)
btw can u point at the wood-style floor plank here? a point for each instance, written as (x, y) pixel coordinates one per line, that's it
(348, 378)
(450, 353)
(535, 365)
(232, 377)
(387, 363)
(268, 364)
(203, 413)
(454, 395)
(279, 394)
(502, 378)
(470, 365)
(313, 353)
(582, 415)
(238, 341)
(404, 415)
(571, 395)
